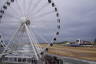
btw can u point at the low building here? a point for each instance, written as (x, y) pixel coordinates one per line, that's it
(83, 42)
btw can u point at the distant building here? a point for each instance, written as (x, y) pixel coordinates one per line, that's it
(83, 42)
(78, 41)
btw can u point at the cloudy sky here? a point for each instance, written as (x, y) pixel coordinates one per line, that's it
(77, 20)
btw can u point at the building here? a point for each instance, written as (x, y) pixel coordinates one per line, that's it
(83, 42)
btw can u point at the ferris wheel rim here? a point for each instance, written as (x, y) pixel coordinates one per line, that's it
(54, 38)
(49, 1)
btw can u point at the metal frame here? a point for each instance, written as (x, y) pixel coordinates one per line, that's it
(31, 35)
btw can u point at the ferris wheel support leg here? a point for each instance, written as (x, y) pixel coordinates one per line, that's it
(43, 40)
(36, 42)
(3, 53)
(27, 30)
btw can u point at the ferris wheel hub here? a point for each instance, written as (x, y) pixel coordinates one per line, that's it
(25, 20)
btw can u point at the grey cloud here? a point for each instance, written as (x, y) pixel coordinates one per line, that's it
(78, 20)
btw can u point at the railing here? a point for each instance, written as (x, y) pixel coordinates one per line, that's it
(48, 59)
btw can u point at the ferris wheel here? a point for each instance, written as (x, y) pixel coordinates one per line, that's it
(33, 22)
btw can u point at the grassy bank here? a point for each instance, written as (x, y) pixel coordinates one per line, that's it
(86, 53)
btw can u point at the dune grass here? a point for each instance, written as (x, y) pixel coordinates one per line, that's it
(86, 53)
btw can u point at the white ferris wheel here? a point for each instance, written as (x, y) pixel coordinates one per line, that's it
(32, 22)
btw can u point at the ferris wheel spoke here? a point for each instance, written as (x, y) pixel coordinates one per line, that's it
(36, 42)
(8, 3)
(41, 37)
(14, 40)
(24, 7)
(40, 9)
(20, 8)
(15, 10)
(29, 7)
(6, 48)
(11, 16)
(37, 21)
(10, 21)
(5, 7)
(35, 5)
(15, 44)
(43, 14)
